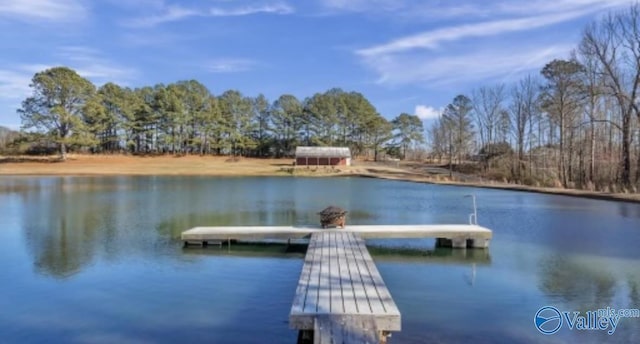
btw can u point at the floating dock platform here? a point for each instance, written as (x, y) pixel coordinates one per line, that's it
(341, 297)
(456, 236)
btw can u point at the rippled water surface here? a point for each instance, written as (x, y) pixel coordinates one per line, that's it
(98, 260)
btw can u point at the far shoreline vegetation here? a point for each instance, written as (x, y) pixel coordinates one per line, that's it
(575, 126)
(101, 165)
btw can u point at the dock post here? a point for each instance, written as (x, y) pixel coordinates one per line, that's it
(459, 243)
(200, 243)
(480, 243)
(384, 337)
(305, 337)
(451, 242)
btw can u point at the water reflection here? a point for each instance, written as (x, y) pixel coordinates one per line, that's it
(629, 210)
(280, 249)
(582, 283)
(68, 222)
(112, 245)
(436, 255)
(578, 284)
(62, 229)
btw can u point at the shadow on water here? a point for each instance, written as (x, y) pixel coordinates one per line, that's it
(440, 255)
(275, 249)
(249, 250)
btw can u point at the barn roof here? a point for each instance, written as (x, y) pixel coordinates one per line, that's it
(323, 152)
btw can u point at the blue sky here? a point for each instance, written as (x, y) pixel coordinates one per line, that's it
(403, 55)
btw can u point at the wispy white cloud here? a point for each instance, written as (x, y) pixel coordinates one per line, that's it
(34, 68)
(46, 10)
(248, 10)
(425, 112)
(461, 9)
(90, 63)
(230, 65)
(475, 66)
(172, 13)
(14, 87)
(440, 55)
(74, 52)
(555, 6)
(169, 14)
(137, 4)
(437, 9)
(363, 5)
(14, 84)
(433, 38)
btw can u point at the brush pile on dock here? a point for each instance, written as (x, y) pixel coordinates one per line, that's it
(333, 216)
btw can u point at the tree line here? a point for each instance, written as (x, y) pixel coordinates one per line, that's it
(70, 113)
(574, 125)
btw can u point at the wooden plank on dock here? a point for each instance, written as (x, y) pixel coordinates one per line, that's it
(336, 299)
(302, 291)
(341, 287)
(352, 331)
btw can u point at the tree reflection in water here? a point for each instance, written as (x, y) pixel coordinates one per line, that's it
(576, 283)
(590, 283)
(64, 226)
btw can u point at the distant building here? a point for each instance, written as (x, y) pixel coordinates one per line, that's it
(323, 156)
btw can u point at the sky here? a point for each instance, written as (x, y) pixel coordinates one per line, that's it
(411, 56)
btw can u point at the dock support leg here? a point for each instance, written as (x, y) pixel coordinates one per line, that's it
(480, 243)
(228, 244)
(384, 337)
(451, 242)
(442, 242)
(459, 243)
(305, 337)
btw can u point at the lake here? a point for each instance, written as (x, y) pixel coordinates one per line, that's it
(99, 260)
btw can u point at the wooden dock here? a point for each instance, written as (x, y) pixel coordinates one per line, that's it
(341, 297)
(456, 236)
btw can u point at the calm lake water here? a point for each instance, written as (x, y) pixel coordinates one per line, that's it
(98, 260)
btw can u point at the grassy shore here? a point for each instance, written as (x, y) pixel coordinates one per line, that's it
(87, 165)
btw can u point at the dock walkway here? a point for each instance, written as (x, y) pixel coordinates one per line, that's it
(341, 295)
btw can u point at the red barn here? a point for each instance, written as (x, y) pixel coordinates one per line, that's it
(323, 156)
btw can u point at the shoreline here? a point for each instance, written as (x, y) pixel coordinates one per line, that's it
(627, 198)
(197, 166)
